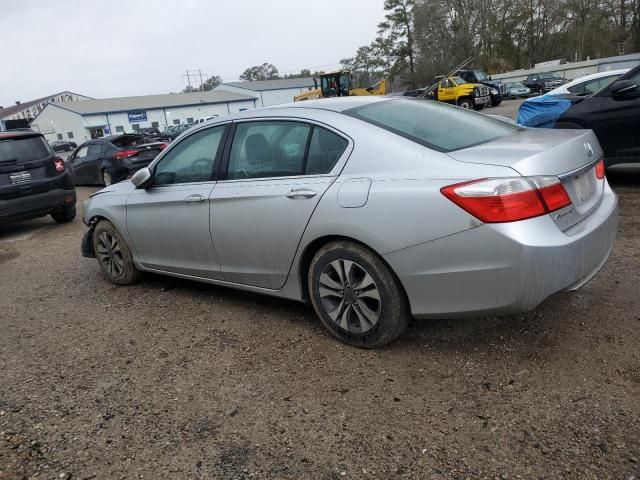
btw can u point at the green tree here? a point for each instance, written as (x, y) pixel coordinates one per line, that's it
(266, 71)
(395, 40)
(211, 83)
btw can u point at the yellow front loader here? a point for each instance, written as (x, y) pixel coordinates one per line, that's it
(338, 84)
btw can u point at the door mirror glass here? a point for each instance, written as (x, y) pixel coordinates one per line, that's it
(141, 177)
(624, 89)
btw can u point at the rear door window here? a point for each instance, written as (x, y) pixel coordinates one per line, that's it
(325, 150)
(268, 149)
(23, 149)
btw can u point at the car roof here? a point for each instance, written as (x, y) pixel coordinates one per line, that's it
(19, 133)
(594, 76)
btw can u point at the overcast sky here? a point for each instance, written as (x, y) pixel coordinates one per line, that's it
(116, 48)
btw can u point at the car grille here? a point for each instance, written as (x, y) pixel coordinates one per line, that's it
(482, 91)
(502, 88)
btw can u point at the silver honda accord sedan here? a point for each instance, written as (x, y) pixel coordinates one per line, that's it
(374, 210)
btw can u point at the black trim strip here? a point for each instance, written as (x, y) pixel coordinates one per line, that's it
(306, 149)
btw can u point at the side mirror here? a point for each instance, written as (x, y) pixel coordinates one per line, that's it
(141, 177)
(624, 89)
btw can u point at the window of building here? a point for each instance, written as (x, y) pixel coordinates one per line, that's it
(70, 135)
(155, 124)
(59, 136)
(135, 126)
(176, 121)
(119, 128)
(190, 120)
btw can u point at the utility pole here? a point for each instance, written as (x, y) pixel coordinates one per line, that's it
(194, 73)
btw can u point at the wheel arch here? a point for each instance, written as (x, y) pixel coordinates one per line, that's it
(312, 248)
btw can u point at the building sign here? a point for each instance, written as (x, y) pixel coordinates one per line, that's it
(137, 117)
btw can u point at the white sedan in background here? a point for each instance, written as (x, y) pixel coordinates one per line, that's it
(588, 84)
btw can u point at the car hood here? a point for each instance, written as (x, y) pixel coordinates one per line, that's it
(119, 188)
(536, 151)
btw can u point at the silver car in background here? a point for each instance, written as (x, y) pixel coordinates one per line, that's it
(374, 210)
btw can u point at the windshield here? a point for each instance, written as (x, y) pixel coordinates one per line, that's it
(480, 76)
(433, 124)
(549, 75)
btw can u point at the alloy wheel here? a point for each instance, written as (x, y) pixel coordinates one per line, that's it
(106, 178)
(109, 254)
(350, 296)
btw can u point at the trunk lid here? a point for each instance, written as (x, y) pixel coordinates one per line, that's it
(571, 155)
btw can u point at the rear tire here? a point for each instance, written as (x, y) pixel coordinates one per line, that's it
(64, 214)
(114, 255)
(357, 297)
(107, 178)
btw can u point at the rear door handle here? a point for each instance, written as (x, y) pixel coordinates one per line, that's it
(301, 193)
(194, 199)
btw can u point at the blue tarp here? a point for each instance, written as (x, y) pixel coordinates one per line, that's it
(542, 112)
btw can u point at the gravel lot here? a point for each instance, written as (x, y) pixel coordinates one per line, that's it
(173, 379)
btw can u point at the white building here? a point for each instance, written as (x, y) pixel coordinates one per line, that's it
(270, 92)
(82, 120)
(574, 70)
(29, 110)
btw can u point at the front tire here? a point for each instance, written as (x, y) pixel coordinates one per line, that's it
(114, 255)
(64, 214)
(357, 297)
(466, 103)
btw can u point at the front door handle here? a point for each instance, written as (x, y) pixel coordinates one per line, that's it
(194, 199)
(301, 193)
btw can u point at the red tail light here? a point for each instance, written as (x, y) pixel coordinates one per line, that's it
(124, 154)
(600, 170)
(498, 200)
(58, 164)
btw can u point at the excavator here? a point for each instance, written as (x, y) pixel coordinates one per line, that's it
(338, 84)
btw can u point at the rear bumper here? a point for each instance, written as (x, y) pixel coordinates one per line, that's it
(504, 268)
(37, 205)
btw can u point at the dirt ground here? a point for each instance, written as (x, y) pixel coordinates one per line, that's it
(173, 379)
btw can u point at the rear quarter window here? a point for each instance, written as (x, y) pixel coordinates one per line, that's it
(433, 124)
(23, 149)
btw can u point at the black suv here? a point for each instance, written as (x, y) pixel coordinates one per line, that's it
(33, 181)
(110, 160)
(497, 90)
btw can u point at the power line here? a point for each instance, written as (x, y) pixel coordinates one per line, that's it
(196, 74)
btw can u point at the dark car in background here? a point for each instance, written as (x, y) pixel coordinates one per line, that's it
(540, 83)
(109, 160)
(613, 114)
(63, 146)
(517, 90)
(153, 133)
(174, 131)
(33, 181)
